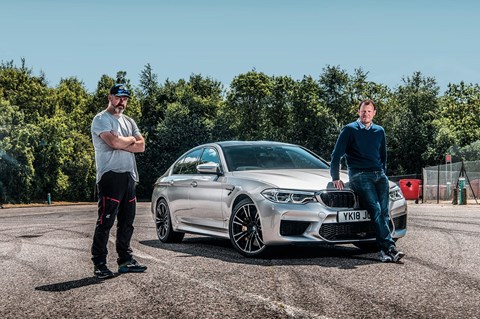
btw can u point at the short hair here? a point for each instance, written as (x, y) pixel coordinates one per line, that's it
(366, 102)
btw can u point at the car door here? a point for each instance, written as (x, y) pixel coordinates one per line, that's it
(179, 185)
(205, 194)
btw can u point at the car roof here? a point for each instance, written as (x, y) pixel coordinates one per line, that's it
(249, 143)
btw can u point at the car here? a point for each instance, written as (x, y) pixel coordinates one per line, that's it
(263, 194)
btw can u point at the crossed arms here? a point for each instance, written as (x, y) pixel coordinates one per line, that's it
(133, 144)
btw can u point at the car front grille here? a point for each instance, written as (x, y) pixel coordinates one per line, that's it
(358, 230)
(338, 198)
(347, 231)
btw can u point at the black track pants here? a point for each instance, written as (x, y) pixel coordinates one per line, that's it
(116, 198)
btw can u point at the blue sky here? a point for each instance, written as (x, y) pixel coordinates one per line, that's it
(222, 39)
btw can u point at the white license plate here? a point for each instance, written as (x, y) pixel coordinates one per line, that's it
(353, 216)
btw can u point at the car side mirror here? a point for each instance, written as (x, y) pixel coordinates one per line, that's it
(209, 168)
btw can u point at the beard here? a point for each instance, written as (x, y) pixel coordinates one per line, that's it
(119, 109)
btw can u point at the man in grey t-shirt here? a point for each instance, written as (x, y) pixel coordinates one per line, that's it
(116, 138)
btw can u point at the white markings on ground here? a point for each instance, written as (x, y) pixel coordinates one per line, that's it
(292, 311)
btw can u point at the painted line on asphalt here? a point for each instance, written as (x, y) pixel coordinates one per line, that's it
(245, 296)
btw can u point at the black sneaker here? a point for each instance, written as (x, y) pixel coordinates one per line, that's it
(131, 266)
(395, 254)
(384, 257)
(101, 271)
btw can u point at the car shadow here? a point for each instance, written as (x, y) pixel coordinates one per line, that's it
(340, 256)
(68, 285)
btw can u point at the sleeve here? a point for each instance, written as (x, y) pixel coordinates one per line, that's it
(135, 129)
(338, 152)
(383, 152)
(100, 124)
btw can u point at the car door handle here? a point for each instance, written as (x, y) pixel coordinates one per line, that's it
(194, 184)
(171, 183)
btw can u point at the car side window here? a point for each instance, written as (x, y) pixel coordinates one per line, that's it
(188, 163)
(209, 155)
(178, 166)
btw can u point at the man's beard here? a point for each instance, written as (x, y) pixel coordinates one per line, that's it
(119, 110)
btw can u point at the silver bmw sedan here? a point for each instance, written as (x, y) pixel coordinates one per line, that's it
(261, 194)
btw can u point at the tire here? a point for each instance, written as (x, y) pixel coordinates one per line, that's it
(245, 230)
(163, 224)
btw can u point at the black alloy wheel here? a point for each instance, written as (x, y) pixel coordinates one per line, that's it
(163, 224)
(245, 229)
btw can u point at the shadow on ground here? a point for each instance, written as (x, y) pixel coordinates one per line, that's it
(340, 256)
(68, 285)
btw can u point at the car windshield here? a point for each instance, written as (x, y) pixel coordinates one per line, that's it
(269, 157)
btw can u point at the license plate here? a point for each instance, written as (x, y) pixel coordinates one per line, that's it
(353, 216)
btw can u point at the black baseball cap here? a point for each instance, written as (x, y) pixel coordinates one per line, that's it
(120, 90)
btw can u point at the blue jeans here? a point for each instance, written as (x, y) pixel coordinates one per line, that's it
(373, 191)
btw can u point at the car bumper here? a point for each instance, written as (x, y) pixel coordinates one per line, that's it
(313, 222)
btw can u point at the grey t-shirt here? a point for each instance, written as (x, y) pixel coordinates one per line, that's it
(107, 158)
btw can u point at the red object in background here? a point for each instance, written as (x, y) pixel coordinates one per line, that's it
(410, 188)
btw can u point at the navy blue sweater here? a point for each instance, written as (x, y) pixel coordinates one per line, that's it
(364, 150)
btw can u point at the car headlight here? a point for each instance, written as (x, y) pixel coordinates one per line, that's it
(396, 194)
(285, 196)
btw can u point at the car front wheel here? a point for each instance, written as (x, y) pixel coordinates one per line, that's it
(245, 229)
(163, 224)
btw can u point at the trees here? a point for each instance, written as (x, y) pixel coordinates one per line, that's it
(30, 93)
(360, 89)
(44, 146)
(73, 100)
(178, 116)
(248, 100)
(45, 142)
(459, 113)
(410, 125)
(312, 124)
(16, 155)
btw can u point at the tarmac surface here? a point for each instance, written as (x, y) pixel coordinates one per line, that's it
(47, 272)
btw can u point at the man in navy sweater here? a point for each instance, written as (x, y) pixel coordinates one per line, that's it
(363, 144)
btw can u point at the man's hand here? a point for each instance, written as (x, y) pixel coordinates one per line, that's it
(338, 184)
(138, 146)
(117, 142)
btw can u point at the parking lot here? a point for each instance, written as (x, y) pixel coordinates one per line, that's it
(47, 272)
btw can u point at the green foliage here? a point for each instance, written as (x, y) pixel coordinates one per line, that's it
(45, 142)
(52, 149)
(409, 125)
(16, 162)
(249, 98)
(334, 92)
(180, 115)
(31, 94)
(78, 170)
(469, 152)
(259, 107)
(312, 125)
(361, 89)
(459, 113)
(73, 99)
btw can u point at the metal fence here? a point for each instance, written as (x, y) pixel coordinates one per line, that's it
(443, 182)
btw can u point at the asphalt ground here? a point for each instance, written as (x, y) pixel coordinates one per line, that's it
(46, 272)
